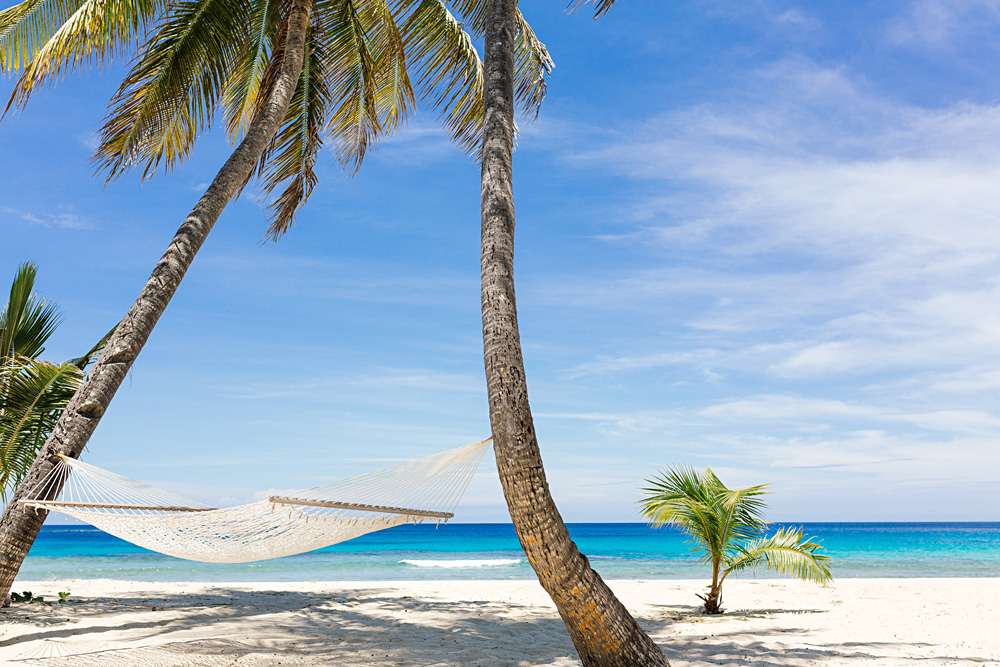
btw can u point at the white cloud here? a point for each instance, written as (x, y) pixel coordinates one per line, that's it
(64, 219)
(368, 281)
(941, 22)
(420, 142)
(774, 14)
(90, 141)
(373, 382)
(867, 230)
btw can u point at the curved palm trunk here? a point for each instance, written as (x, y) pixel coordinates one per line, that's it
(602, 630)
(19, 526)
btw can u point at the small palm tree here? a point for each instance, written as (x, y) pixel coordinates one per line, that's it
(727, 528)
(33, 392)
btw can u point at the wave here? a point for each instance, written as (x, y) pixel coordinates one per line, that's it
(485, 562)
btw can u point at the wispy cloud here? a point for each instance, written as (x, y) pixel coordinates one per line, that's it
(64, 219)
(369, 281)
(866, 229)
(372, 383)
(775, 15)
(90, 141)
(939, 22)
(420, 142)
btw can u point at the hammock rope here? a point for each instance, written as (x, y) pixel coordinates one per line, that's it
(294, 522)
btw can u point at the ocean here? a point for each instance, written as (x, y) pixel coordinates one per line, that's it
(491, 551)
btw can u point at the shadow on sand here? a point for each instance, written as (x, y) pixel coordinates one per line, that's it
(228, 626)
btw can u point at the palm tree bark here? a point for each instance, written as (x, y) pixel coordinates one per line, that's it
(603, 631)
(19, 526)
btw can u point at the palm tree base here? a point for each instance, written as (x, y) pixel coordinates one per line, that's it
(713, 602)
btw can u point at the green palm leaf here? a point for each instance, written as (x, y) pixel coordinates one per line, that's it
(356, 87)
(787, 552)
(171, 92)
(26, 27)
(601, 6)
(34, 395)
(292, 155)
(532, 63)
(47, 38)
(742, 509)
(245, 91)
(680, 497)
(26, 322)
(92, 354)
(450, 71)
(363, 51)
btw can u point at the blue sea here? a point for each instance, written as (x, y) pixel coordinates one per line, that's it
(491, 551)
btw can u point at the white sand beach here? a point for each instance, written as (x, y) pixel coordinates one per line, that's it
(769, 622)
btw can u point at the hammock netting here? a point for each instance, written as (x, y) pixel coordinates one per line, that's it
(281, 525)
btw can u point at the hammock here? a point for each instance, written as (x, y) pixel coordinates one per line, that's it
(282, 525)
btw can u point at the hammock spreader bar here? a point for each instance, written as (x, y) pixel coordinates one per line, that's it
(285, 500)
(55, 505)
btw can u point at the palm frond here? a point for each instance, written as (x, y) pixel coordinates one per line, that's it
(34, 395)
(292, 155)
(47, 38)
(786, 552)
(171, 92)
(92, 354)
(742, 508)
(532, 63)
(394, 92)
(473, 15)
(450, 70)
(27, 321)
(245, 90)
(27, 26)
(354, 122)
(600, 6)
(681, 497)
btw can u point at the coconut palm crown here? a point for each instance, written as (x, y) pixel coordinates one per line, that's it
(196, 58)
(727, 529)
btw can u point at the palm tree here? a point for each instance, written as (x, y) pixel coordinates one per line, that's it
(286, 72)
(33, 392)
(727, 527)
(602, 630)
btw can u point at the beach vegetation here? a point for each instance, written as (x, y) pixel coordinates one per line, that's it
(26, 596)
(64, 597)
(286, 76)
(601, 628)
(728, 530)
(33, 392)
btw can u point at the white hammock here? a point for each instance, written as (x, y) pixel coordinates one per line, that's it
(427, 488)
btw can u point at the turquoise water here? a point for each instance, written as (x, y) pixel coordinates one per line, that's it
(491, 551)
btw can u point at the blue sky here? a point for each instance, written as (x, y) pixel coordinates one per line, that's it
(757, 235)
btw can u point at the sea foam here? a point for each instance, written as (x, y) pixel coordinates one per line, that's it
(468, 562)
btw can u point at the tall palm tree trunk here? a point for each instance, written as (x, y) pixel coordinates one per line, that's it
(19, 526)
(603, 631)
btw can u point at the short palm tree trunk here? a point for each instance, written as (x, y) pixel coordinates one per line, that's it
(713, 600)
